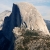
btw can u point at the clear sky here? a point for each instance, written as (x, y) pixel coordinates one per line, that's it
(43, 6)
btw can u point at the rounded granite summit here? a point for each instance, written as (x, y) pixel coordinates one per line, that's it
(31, 18)
(24, 15)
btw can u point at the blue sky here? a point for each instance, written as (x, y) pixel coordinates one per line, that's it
(43, 6)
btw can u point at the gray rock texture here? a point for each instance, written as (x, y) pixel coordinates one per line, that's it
(24, 16)
(30, 17)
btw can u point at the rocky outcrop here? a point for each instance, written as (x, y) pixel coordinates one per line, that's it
(30, 40)
(48, 24)
(14, 20)
(24, 16)
(32, 17)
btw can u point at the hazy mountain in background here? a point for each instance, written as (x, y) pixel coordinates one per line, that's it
(48, 23)
(2, 16)
(28, 17)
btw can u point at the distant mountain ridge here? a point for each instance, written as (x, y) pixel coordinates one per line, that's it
(48, 23)
(4, 14)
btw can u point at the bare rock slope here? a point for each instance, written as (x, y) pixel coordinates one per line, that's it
(30, 40)
(4, 14)
(25, 17)
(29, 18)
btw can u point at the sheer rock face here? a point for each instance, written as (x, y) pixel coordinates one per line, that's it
(29, 17)
(23, 15)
